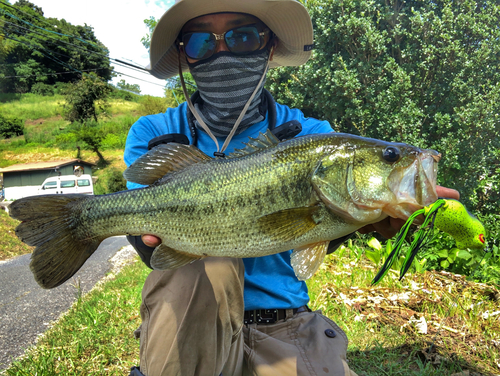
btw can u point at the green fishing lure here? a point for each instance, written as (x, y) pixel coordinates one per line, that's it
(447, 215)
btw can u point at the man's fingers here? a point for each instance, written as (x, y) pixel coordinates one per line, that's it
(387, 227)
(151, 240)
(447, 192)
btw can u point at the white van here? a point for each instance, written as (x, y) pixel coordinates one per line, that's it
(67, 184)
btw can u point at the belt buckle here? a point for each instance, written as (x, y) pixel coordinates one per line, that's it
(262, 316)
(266, 316)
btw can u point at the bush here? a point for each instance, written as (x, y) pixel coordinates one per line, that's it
(11, 127)
(61, 87)
(125, 95)
(42, 89)
(111, 180)
(425, 73)
(152, 105)
(114, 141)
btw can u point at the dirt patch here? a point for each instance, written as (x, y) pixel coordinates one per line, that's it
(41, 121)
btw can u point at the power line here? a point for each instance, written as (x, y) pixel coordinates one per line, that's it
(30, 15)
(51, 52)
(49, 31)
(149, 82)
(118, 61)
(53, 74)
(74, 69)
(52, 37)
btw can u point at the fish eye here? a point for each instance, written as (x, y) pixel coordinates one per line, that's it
(391, 154)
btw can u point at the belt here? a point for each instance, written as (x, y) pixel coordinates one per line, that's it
(269, 316)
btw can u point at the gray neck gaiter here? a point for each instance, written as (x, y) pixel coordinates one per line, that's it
(225, 83)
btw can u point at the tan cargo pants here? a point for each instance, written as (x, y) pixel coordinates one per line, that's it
(192, 324)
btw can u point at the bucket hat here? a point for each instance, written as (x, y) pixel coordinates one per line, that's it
(288, 19)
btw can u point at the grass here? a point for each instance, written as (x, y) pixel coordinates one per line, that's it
(10, 245)
(96, 336)
(381, 321)
(32, 106)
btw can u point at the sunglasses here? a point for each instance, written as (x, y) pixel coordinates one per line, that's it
(241, 40)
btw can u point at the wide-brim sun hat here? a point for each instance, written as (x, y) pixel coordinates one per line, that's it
(288, 19)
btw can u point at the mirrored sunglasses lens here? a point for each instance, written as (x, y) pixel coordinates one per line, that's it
(199, 45)
(243, 39)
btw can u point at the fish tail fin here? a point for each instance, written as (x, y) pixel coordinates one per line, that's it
(47, 223)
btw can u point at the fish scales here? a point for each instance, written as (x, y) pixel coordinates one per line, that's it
(211, 207)
(298, 194)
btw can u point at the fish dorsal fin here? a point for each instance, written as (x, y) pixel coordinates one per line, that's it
(289, 224)
(263, 141)
(164, 258)
(306, 260)
(162, 160)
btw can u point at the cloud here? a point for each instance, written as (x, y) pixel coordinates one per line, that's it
(165, 4)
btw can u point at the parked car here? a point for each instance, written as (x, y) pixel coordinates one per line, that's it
(67, 184)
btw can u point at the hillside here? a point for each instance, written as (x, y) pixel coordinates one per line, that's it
(47, 136)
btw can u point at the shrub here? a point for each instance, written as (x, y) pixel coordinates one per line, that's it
(152, 105)
(111, 180)
(425, 73)
(11, 127)
(42, 89)
(61, 87)
(125, 95)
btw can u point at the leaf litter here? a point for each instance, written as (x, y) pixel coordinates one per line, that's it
(458, 319)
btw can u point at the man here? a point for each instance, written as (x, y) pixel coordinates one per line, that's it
(193, 317)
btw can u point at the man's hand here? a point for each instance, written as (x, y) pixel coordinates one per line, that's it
(387, 227)
(390, 226)
(151, 240)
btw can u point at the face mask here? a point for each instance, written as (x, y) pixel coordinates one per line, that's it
(225, 83)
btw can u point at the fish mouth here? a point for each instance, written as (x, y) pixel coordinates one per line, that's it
(414, 186)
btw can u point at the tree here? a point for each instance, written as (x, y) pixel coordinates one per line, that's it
(92, 136)
(38, 49)
(151, 24)
(86, 99)
(173, 89)
(425, 73)
(135, 88)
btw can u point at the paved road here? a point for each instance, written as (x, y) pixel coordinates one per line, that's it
(26, 309)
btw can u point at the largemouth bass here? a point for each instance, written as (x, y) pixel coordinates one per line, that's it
(267, 198)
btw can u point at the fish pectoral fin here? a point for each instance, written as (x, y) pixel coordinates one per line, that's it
(306, 260)
(162, 160)
(167, 258)
(289, 224)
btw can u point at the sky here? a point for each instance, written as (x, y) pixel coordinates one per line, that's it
(119, 25)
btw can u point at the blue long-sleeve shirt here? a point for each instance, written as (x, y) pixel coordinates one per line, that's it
(270, 281)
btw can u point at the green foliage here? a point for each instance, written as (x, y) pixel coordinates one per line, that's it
(425, 73)
(94, 337)
(135, 88)
(124, 95)
(40, 49)
(43, 89)
(92, 136)
(110, 181)
(151, 24)
(152, 105)
(441, 254)
(86, 99)
(10, 127)
(174, 92)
